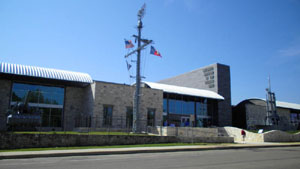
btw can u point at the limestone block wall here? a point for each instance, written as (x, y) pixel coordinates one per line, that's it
(14, 141)
(73, 106)
(285, 120)
(88, 99)
(250, 137)
(271, 136)
(120, 97)
(186, 131)
(279, 136)
(5, 88)
(255, 116)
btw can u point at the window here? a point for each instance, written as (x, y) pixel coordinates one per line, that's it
(46, 101)
(295, 119)
(201, 108)
(129, 117)
(107, 115)
(37, 94)
(165, 105)
(151, 117)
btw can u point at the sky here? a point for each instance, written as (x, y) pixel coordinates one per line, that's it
(256, 38)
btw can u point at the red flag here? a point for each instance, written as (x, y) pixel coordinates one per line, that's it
(155, 52)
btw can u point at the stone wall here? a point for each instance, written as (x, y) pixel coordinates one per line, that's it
(256, 114)
(185, 131)
(73, 106)
(250, 137)
(14, 141)
(120, 97)
(271, 136)
(5, 88)
(279, 136)
(11, 141)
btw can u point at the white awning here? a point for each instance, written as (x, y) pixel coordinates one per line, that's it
(40, 72)
(185, 90)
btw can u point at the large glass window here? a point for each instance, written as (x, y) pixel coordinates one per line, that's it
(151, 117)
(107, 115)
(199, 110)
(179, 107)
(37, 94)
(47, 101)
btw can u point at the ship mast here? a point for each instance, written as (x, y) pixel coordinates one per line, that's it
(136, 128)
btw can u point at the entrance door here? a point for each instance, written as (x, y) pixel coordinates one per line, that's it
(185, 122)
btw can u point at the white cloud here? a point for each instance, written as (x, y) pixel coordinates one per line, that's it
(291, 51)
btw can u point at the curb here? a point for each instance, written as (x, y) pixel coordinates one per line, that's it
(135, 151)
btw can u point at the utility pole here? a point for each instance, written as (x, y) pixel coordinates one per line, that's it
(136, 104)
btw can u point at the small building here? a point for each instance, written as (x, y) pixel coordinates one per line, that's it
(251, 114)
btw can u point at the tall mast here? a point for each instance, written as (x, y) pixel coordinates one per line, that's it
(136, 104)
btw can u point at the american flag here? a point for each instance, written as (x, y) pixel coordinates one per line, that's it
(128, 44)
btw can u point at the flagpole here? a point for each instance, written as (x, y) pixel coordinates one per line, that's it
(136, 126)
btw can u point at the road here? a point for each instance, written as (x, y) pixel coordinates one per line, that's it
(288, 157)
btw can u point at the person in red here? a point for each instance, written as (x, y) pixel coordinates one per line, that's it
(243, 133)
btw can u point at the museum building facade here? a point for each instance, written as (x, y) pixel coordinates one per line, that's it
(65, 100)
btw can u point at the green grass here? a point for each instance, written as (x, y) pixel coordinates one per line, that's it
(293, 132)
(114, 146)
(78, 133)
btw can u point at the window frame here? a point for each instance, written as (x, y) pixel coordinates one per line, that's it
(107, 117)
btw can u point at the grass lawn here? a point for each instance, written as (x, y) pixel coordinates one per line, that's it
(114, 146)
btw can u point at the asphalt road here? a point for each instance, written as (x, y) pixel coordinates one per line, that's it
(288, 158)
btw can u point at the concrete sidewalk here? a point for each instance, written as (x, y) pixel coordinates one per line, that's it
(107, 151)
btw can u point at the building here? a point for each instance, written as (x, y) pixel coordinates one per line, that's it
(251, 114)
(183, 106)
(216, 78)
(65, 100)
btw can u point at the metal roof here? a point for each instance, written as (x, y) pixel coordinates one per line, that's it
(40, 72)
(288, 105)
(185, 90)
(280, 104)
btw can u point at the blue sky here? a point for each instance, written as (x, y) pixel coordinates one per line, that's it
(256, 38)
